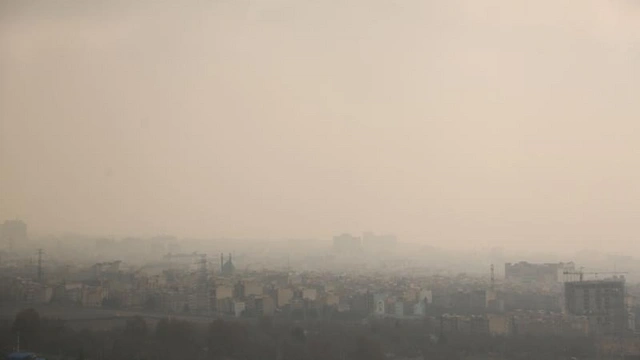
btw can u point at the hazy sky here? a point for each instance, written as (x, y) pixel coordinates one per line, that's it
(496, 121)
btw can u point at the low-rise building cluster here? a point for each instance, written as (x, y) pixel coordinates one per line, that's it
(193, 284)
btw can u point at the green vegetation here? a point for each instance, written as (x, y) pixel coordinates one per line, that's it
(269, 338)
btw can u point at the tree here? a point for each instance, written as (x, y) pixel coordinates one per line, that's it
(27, 326)
(152, 303)
(52, 334)
(265, 323)
(131, 343)
(298, 334)
(176, 339)
(227, 339)
(320, 349)
(136, 328)
(367, 349)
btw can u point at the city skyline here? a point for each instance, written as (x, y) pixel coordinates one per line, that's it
(444, 123)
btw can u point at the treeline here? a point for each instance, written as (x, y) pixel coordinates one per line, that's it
(267, 339)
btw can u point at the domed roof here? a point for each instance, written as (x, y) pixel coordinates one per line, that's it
(228, 268)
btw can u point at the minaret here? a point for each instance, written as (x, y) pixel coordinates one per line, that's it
(221, 263)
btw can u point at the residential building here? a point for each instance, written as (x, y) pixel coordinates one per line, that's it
(380, 304)
(309, 294)
(601, 301)
(93, 296)
(265, 306)
(253, 288)
(238, 308)
(283, 297)
(223, 292)
(498, 324)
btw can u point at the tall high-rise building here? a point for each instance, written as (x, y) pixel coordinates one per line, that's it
(601, 301)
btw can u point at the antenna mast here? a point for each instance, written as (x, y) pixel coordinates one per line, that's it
(40, 252)
(493, 278)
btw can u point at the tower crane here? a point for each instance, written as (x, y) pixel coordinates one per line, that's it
(581, 273)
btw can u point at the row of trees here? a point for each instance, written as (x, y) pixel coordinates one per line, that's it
(266, 339)
(173, 339)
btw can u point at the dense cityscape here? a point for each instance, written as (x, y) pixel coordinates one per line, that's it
(164, 279)
(319, 180)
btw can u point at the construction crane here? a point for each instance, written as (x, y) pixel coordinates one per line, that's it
(581, 273)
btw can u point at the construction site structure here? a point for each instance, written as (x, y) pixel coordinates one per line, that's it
(602, 302)
(578, 275)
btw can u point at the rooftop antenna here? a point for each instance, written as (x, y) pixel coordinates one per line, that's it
(493, 277)
(40, 265)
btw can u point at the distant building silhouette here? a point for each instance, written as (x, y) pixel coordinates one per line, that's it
(373, 241)
(227, 267)
(13, 232)
(528, 272)
(346, 243)
(602, 302)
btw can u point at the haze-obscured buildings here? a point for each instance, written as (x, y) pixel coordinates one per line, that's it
(374, 242)
(13, 233)
(227, 268)
(602, 302)
(528, 273)
(347, 243)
